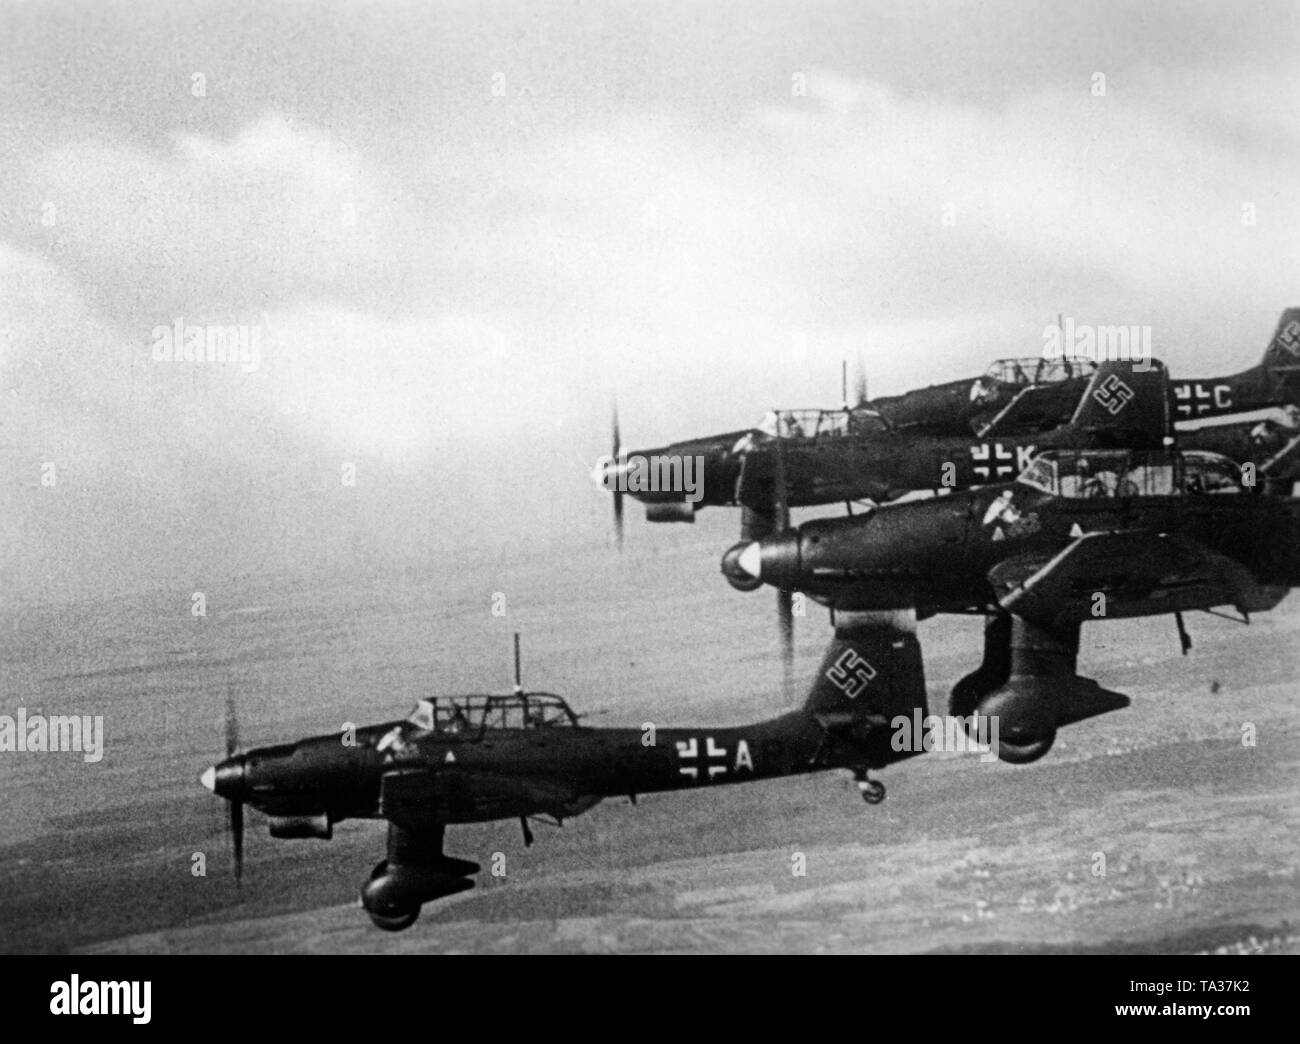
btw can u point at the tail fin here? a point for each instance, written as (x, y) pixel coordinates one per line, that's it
(871, 673)
(1126, 404)
(1273, 381)
(1283, 351)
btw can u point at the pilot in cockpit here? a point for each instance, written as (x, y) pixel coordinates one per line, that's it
(458, 722)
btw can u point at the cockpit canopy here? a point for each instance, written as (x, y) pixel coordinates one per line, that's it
(474, 714)
(822, 424)
(1118, 473)
(1035, 369)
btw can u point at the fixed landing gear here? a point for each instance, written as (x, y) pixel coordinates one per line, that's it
(416, 872)
(872, 790)
(394, 896)
(381, 902)
(395, 924)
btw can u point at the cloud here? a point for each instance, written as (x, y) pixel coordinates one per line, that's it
(449, 292)
(1121, 184)
(210, 228)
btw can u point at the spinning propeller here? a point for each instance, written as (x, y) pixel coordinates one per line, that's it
(219, 777)
(617, 491)
(784, 595)
(236, 807)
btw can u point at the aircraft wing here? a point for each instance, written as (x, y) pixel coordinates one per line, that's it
(1123, 573)
(1284, 463)
(417, 797)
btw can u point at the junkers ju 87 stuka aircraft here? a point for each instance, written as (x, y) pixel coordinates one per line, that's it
(1038, 394)
(1079, 536)
(472, 759)
(881, 449)
(800, 458)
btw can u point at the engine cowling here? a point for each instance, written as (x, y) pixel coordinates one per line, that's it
(293, 827)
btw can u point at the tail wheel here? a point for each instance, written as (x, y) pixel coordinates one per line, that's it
(872, 790)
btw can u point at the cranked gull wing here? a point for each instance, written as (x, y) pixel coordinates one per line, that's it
(1123, 573)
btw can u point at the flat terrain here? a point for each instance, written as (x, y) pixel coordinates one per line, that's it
(1196, 832)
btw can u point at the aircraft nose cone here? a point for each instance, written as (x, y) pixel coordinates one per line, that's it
(773, 560)
(611, 473)
(739, 576)
(226, 780)
(604, 472)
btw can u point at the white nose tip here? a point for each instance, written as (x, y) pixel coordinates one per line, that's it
(751, 561)
(209, 777)
(603, 473)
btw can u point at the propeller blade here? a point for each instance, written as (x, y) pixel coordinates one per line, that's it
(784, 597)
(236, 821)
(237, 837)
(232, 722)
(785, 625)
(618, 493)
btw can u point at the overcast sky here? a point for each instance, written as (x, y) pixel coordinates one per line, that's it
(460, 229)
